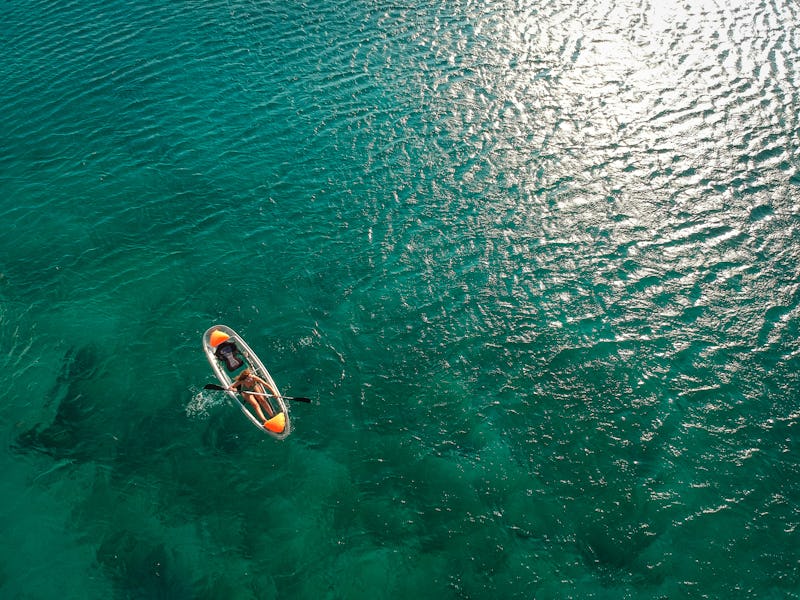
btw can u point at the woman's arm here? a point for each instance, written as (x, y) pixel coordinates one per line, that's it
(268, 387)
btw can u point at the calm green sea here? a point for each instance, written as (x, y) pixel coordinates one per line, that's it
(535, 262)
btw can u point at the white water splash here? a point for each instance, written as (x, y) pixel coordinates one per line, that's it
(202, 403)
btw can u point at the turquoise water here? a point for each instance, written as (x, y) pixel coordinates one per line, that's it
(536, 264)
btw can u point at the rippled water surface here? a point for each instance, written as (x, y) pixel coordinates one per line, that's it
(536, 263)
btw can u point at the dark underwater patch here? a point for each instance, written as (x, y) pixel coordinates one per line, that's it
(71, 433)
(613, 537)
(141, 568)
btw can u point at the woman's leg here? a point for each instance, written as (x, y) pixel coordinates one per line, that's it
(263, 400)
(251, 400)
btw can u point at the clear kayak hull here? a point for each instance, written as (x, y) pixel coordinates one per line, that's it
(228, 354)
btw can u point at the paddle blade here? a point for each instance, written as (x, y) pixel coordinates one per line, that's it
(298, 399)
(214, 386)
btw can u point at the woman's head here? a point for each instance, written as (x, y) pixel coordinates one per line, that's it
(244, 375)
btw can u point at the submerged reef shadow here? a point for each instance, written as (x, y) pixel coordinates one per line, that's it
(72, 433)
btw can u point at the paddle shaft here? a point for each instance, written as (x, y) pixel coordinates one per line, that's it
(219, 388)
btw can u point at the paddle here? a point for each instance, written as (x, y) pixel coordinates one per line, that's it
(219, 388)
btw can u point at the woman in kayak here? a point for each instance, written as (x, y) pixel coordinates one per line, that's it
(247, 381)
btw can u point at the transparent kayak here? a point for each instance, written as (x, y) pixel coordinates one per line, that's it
(229, 355)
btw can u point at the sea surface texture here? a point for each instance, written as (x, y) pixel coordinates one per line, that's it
(536, 263)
